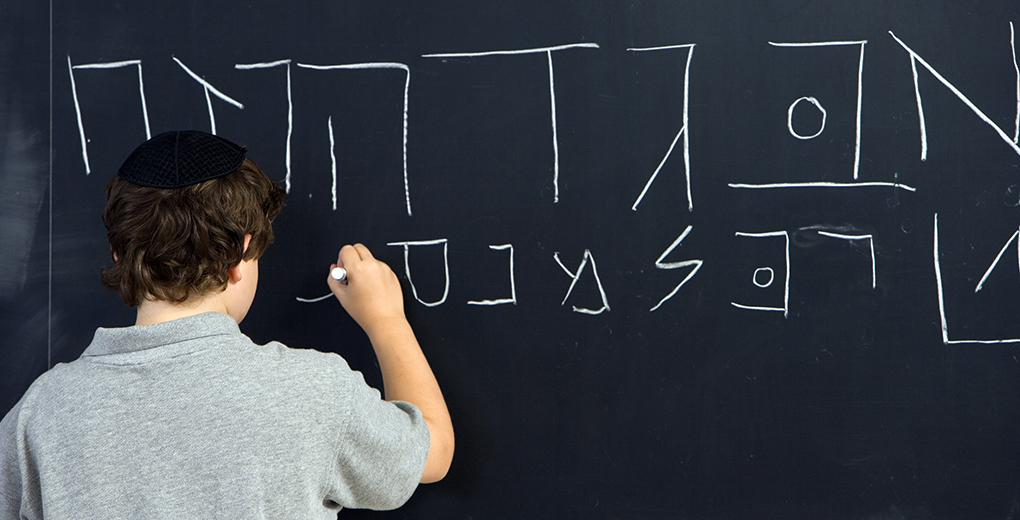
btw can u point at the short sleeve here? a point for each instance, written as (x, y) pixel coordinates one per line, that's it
(13, 487)
(381, 449)
(10, 471)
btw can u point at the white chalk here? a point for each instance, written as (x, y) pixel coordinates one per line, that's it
(339, 273)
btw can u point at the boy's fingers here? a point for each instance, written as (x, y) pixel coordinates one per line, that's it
(348, 254)
(363, 251)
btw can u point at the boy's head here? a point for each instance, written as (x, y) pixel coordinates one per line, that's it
(177, 214)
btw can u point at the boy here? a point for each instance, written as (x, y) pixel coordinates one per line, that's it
(181, 415)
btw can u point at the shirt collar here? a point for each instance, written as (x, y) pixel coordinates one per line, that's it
(137, 338)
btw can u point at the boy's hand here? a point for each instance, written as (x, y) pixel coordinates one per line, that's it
(372, 296)
(371, 293)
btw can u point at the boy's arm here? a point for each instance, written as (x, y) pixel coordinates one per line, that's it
(10, 466)
(372, 296)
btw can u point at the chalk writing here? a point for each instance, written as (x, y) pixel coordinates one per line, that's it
(407, 87)
(576, 275)
(768, 271)
(762, 277)
(789, 118)
(822, 185)
(552, 92)
(942, 297)
(914, 60)
(995, 262)
(332, 158)
(860, 81)
(77, 106)
(513, 285)
(871, 245)
(1012, 44)
(676, 265)
(857, 145)
(290, 106)
(407, 267)
(683, 128)
(207, 87)
(785, 309)
(313, 300)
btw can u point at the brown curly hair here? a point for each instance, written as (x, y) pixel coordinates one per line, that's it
(175, 244)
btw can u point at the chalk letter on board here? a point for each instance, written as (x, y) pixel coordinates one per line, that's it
(290, 105)
(207, 87)
(407, 267)
(998, 257)
(914, 60)
(576, 275)
(785, 309)
(1013, 44)
(513, 285)
(789, 118)
(77, 106)
(767, 271)
(677, 265)
(942, 297)
(332, 158)
(683, 128)
(871, 244)
(407, 86)
(857, 146)
(552, 93)
(860, 78)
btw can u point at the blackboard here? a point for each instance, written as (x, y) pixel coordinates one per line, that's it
(833, 187)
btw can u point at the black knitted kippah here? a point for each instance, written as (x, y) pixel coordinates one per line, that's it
(178, 159)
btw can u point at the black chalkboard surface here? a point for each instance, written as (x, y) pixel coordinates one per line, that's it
(713, 260)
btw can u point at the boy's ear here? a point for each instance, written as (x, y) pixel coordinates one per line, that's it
(235, 272)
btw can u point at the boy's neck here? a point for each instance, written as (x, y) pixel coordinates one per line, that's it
(158, 311)
(233, 299)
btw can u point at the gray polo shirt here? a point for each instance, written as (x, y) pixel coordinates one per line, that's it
(191, 419)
